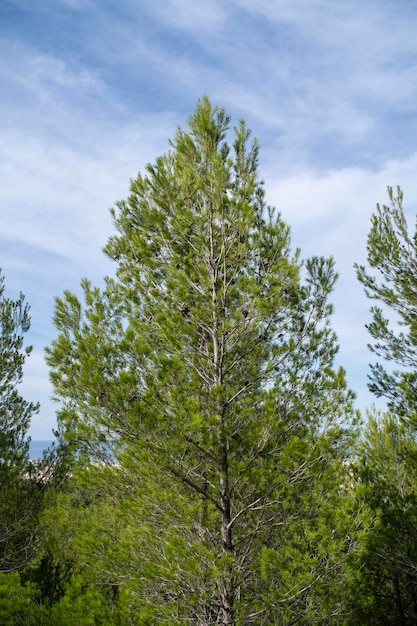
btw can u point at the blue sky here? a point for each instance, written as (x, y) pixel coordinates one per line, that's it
(92, 91)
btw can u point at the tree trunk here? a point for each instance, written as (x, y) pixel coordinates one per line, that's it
(226, 615)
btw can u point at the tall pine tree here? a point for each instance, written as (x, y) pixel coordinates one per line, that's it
(206, 368)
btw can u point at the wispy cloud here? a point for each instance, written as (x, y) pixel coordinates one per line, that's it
(330, 215)
(199, 19)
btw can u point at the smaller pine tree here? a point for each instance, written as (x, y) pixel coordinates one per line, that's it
(15, 415)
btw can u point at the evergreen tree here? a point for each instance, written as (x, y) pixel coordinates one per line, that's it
(392, 252)
(16, 514)
(206, 369)
(384, 581)
(388, 453)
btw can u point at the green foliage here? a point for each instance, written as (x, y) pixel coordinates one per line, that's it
(17, 604)
(15, 412)
(206, 370)
(384, 582)
(392, 251)
(17, 490)
(388, 456)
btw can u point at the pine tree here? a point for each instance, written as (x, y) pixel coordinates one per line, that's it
(388, 453)
(384, 581)
(392, 252)
(207, 368)
(15, 414)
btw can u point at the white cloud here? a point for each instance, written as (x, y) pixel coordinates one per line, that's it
(330, 215)
(199, 18)
(342, 195)
(61, 168)
(76, 4)
(40, 75)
